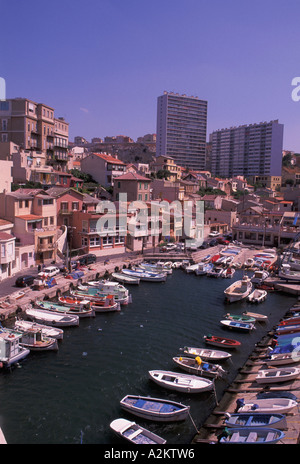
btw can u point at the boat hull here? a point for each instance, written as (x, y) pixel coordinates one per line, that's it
(155, 409)
(253, 435)
(181, 382)
(277, 421)
(135, 433)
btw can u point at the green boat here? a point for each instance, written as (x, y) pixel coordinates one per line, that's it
(240, 318)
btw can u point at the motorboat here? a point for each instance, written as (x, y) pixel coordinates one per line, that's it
(206, 354)
(51, 318)
(134, 433)
(282, 374)
(159, 267)
(240, 318)
(259, 276)
(236, 325)
(35, 340)
(203, 268)
(288, 274)
(252, 435)
(238, 290)
(145, 275)
(52, 332)
(83, 310)
(198, 367)
(122, 278)
(277, 359)
(257, 296)
(11, 351)
(215, 272)
(257, 316)
(221, 341)
(228, 273)
(102, 288)
(155, 409)
(184, 383)
(191, 268)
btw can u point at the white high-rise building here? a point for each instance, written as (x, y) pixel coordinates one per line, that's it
(181, 129)
(248, 150)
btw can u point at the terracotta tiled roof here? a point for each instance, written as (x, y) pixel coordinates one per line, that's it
(132, 176)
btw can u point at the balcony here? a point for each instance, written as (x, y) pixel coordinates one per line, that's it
(42, 247)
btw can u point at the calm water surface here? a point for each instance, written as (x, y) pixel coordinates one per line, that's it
(72, 395)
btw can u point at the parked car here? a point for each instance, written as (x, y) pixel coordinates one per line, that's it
(223, 241)
(204, 245)
(25, 281)
(214, 233)
(213, 243)
(49, 271)
(86, 259)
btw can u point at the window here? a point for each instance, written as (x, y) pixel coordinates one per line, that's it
(94, 241)
(75, 205)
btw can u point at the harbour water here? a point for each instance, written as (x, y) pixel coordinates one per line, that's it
(71, 396)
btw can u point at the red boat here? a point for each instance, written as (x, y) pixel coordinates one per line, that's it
(215, 258)
(290, 321)
(221, 341)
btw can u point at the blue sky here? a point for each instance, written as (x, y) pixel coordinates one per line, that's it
(102, 63)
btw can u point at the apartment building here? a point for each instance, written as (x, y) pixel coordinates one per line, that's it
(181, 129)
(166, 163)
(103, 168)
(33, 126)
(248, 150)
(135, 186)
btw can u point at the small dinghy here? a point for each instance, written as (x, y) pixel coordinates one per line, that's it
(276, 359)
(238, 290)
(124, 279)
(283, 374)
(257, 296)
(252, 436)
(240, 318)
(206, 354)
(248, 419)
(257, 316)
(241, 326)
(135, 433)
(154, 408)
(51, 318)
(197, 367)
(267, 405)
(181, 382)
(221, 341)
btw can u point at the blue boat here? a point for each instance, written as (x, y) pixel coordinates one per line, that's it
(242, 326)
(256, 420)
(154, 408)
(251, 436)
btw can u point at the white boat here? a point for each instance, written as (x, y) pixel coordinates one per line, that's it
(103, 288)
(134, 433)
(145, 275)
(34, 340)
(198, 367)
(52, 332)
(274, 375)
(286, 273)
(207, 354)
(203, 268)
(252, 436)
(181, 382)
(228, 273)
(277, 359)
(155, 409)
(191, 268)
(257, 296)
(159, 267)
(238, 290)
(51, 318)
(215, 272)
(257, 316)
(80, 310)
(267, 405)
(11, 351)
(237, 325)
(249, 262)
(259, 276)
(125, 279)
